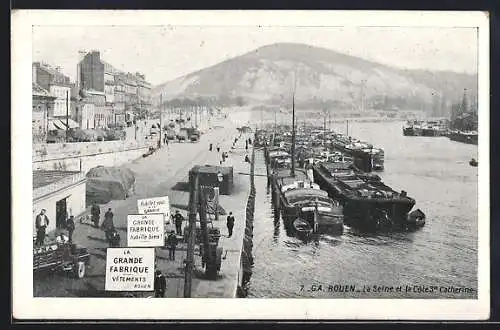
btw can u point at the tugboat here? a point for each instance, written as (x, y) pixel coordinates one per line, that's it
(368, 203)
(473, 162)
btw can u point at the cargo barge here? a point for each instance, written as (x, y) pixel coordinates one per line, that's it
(368, 203)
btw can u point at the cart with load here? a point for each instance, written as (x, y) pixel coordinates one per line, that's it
(61, 256)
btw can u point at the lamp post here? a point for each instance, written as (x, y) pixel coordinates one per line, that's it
(220, 179)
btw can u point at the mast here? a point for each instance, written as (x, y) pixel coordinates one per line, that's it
(292, 172)
(347, 128)
(324, 132)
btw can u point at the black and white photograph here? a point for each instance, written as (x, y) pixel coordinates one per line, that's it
(304, 165)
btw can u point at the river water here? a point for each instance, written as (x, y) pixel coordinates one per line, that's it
(438, 261)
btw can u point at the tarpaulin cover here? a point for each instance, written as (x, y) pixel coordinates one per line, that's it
(108, 183)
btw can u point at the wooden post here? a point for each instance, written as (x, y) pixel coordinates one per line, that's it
(193, 207)
(204, 226)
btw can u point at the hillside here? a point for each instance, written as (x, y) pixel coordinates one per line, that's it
(323, 77)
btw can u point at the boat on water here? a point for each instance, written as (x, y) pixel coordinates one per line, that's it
(433, 128)
(302, 228)
(365, 156)
(302, 198)
(469, 137)
(367, 202)
(412, 128)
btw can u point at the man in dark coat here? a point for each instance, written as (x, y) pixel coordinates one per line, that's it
(95, 211)
(230, 224)
(107, 225)
(41, 223)
(172, 244)
(160, 284)
(70, 226)
(178, 219)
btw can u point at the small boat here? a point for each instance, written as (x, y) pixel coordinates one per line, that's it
(416, 219)
(473, 162)
(302, 228)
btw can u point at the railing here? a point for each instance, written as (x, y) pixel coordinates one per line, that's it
(58, 185)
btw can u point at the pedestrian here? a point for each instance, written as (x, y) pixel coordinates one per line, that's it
(218, 148)
(95, 211)
(70, 226)
(107, 225)
(41, 223)
(165, 139)
(178, 219)
(172, 244)
(246, 145)
(249, 141)
(160, 284)
(210, 147)
(230, 224)
(247, 159)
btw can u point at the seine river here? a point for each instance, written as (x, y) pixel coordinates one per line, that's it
(439, 260)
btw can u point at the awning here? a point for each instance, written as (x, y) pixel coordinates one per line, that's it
(58, 124)
(61, 124)
(51, 126)
(72, 123)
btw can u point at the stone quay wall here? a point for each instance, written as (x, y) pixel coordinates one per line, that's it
(83, 156)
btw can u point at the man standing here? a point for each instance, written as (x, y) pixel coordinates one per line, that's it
(230, 224)
(172, 244)
(160, 284)
(95, 211)
(178, 219)
(41, 223)
(107, 225)
(70, 226)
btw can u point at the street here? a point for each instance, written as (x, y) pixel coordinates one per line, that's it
(156, 175)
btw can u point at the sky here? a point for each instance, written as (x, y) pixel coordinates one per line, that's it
(164, 53)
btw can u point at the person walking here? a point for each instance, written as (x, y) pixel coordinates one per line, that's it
(41, 223)
(210, 147)
(246, 145)
(70, 226)
(172, 244)
(160, 284)
(218, 147)
(107, 225)
(230, 224)
(95, 211)
(178, 219)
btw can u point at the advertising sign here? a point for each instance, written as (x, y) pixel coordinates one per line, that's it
(130, 269)
(155, 205)
(145, 230)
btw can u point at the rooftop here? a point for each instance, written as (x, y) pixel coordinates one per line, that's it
(43, 178)
(38, 90)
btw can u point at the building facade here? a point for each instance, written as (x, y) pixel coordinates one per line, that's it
(60, 193)
(43, 107)
(57, 84)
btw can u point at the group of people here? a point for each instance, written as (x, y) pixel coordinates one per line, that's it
(42, 222)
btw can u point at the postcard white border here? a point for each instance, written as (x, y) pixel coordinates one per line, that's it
(25, 306)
